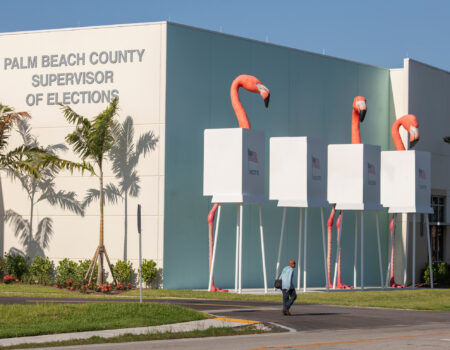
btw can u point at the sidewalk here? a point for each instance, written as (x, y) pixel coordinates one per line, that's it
(217, 322)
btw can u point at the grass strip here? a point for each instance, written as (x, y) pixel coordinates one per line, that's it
(210, 332)
(27, 320)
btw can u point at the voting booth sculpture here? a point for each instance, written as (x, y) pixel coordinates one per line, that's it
(298, 178)
(405, 188)
(234, 173)
(354, 184)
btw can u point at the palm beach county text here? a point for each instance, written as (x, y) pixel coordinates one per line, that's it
(93, 85)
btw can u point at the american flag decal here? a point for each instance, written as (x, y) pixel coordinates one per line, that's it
(252, 156)
(371, 168)
(315, 162)
(422, 174)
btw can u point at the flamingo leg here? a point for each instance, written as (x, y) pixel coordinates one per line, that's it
(339, 283)
(392, 282)
(329, 237)
(211, 217)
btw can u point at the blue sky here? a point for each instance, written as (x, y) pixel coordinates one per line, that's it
(380, 32)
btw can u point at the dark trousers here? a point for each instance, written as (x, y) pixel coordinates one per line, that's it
(289, 296)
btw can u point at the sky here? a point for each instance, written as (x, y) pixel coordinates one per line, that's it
(376, 32)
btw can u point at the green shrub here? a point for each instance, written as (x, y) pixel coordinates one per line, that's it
(16, 264)
(41, 271)
(123, 272)
(66, 273)
(83, 266)
(441, 274)
(149, 271)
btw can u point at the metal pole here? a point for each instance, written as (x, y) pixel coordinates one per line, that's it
(304, 250)
(283, 220)
(236, 266)
(240, 248)
(429, 251)
(324, 250)
(216, 235)
(355, 259)
(379, 252)
(140, 267)
(300, 237)
(338, 248)
(405, 268)
(362, 250)
(414, 253)
(262, 248)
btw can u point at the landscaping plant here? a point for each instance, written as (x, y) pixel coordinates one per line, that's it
(149, 271)
(41, 271)
(123, 272)
(16, 264)
(441, 274)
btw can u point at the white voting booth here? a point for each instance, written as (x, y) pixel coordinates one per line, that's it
(298, 173)
(354, 184)
(405, 188)
(233, 172)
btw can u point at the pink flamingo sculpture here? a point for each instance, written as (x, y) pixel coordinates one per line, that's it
(358, 114)
(251, 84)
(410, 123)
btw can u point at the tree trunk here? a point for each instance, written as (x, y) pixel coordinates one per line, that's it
(125, 242)
(30, 232)
(101, 243)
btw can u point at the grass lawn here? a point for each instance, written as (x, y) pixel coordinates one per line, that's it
(26, 320)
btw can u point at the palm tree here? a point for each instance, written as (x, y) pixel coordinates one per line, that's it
(92, 140)
(38, 190)
(125, 157)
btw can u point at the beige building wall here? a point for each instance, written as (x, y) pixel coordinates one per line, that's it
(423, 90)
(138, 78)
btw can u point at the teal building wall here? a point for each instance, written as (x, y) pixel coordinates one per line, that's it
(311, 95)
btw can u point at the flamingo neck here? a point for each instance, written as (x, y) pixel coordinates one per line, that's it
(395, 131)
(237, 106)
(356, 135)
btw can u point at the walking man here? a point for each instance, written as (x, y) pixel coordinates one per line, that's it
(287, 287)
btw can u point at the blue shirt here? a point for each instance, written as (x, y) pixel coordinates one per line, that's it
(286, 278)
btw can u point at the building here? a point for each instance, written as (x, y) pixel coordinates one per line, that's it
(174, 80)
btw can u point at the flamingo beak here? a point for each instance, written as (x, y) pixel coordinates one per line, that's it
(266, 100)
(413, 136)
(362, 114)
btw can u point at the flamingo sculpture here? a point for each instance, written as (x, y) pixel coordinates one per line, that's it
(358, 114)
(410, 123)
(251, 84)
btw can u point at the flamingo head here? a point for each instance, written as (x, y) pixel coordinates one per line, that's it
(265, 93)
(410, 123)
(360, 107)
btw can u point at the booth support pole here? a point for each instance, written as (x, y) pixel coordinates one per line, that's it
(362, 250)
(405, 271)
(304, 250)
(429, 250)
(240, 247)
(338, 249)
(379, 252)
(324, 250)
(261, 232)
(236, 271)
(355, 259)
(283, 220)
(413, 268)
(300, 238)
(216, 235)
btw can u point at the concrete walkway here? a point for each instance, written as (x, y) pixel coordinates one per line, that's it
(218, 322)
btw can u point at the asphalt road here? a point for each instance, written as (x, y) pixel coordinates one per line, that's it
(320, 326)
